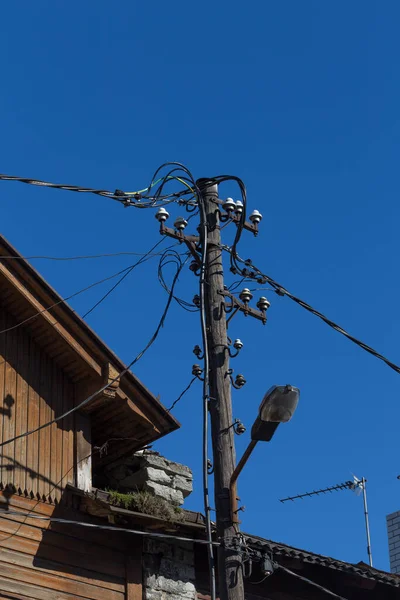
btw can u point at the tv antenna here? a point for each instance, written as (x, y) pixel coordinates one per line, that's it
(358, 486)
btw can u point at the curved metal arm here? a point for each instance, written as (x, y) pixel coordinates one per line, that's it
(234, 478)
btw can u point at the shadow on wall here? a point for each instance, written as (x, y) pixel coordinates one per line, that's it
(65, 558)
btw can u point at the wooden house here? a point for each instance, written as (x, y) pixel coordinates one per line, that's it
(50, 361)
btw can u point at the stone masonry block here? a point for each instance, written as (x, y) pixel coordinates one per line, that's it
(184, 484)
(175, 497)
(157, 475)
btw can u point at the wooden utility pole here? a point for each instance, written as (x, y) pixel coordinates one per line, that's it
(230, 577)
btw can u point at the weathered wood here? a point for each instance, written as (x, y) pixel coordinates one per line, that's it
(134, 573)
(83, 452)
(61, 569)
(33, 482)
(67, 435)
(58, 384)
(43, 468)
(57, 582)
(51, 320)
(61, 548)
(8, 403)
(2, 378)
(34, 592)
(220, 404)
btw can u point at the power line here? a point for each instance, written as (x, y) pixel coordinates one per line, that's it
(125, 198)
(173, 257)
(62, 300)
(252, 272)
(59, 186)
(107, 385)
(145, 257)
(82, 257)
(310, 582)
(111, 528)
(181, 395)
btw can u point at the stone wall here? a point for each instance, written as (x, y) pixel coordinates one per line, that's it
(168, 571)
(149, 471)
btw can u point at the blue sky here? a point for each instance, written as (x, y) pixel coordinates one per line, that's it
(300, 99)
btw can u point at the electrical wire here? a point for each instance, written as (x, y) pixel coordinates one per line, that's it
(252, 271)
(68, 258)
(62, 300)
(107, 385)
(181, 395)
(125, 198)
(59, 186)
(203, 240)
(310, 582)
(206, 387)
(173, 257)
(110, 528)
(144, 258)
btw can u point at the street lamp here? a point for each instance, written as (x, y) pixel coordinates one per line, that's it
(277, 406)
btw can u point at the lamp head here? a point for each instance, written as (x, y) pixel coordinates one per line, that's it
(277, 406)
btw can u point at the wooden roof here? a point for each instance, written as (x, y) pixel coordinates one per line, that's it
(127, 406)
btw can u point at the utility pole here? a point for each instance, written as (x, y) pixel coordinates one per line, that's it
(230, 576)
(215, 302)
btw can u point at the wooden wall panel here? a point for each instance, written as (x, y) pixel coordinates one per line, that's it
(70, 563)
(33, 390)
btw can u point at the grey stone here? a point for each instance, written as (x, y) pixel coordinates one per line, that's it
(177, 570)
(150, 471)
(162, 491)
(185, 589)
(158, 475)
(168, 570)
(184, 484)
(154, 460)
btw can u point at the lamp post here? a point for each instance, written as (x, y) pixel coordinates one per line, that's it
(277, 406)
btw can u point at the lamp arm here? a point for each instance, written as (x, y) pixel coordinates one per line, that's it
(234, 478)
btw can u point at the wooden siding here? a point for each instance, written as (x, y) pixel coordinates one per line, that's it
(33, 390)
(43, 560)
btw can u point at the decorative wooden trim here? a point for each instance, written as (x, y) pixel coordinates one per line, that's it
(111, 378)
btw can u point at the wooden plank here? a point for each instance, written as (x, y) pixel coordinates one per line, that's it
(13, 597)
(69, 424)
(25, 363)
(56, 583)
(54, 451)
(32, 483)
(42, 419)
(59, 432)
(34, 592)
(9, 402)
(21, 408)
(134, 573)
(25, 504)
(65, 436)
(2, 380)
(47, 396)
(88, 538)
(83, 452)
(62, 570)
(62, 549)
(51, 320)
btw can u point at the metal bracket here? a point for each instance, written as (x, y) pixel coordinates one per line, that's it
(190, 240)
(244, 308)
